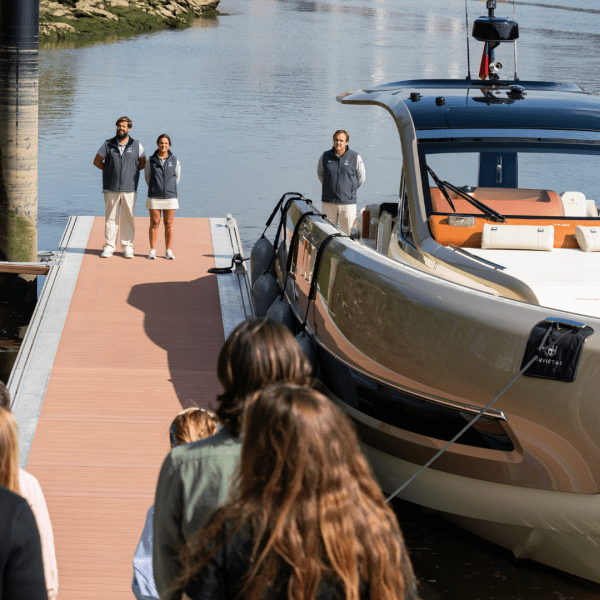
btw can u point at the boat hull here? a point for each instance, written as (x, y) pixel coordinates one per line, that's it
(558, 529)
(411, 357)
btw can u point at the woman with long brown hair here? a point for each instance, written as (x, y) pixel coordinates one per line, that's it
(307, 520)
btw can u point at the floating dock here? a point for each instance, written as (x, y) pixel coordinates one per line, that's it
(115, 349)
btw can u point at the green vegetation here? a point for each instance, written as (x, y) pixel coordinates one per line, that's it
(83, 18)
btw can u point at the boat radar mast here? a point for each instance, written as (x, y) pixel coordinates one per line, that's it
(493, 31)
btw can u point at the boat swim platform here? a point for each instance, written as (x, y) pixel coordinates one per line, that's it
(115, 349)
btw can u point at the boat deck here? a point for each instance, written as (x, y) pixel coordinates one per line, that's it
(139, 342)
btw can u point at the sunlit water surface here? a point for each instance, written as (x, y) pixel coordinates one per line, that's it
(249, 102)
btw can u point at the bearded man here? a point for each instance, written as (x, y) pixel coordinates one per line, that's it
(120, 159)
(342, 172)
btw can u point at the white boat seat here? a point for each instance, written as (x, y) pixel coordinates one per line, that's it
(591, 208)
(574, 204)
(517, 237)
(588, 238)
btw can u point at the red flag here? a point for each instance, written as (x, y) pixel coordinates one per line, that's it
(484, 69)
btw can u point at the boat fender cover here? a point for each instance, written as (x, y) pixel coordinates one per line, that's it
(308, 347)
(264, 292)
(260, 259)
(557, 347)
(281, 311)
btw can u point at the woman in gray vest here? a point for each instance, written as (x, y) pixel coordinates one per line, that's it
(162, 173)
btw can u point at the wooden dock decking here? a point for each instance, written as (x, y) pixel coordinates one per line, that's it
(140, 342)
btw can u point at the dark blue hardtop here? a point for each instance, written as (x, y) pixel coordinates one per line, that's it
(471, 104)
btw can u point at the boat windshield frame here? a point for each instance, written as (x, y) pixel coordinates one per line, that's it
(472, 144)
(491, 135)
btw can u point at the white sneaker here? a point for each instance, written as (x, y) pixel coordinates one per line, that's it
(169, 255)
(152, 254)
(129, 252)
(106, 253)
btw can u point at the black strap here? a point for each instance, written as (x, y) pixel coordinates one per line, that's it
(293, 241)
(270, 220)
(313, 284)
(237, 259)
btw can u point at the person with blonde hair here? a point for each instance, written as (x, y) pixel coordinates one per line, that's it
(26, 485)
(195, 478)
(306, 521)
(188, 426)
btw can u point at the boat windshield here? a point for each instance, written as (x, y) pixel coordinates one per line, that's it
(525, 179)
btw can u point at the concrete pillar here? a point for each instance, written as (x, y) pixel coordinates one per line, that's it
(19, 54)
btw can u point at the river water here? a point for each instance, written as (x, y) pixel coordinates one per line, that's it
(249, 102)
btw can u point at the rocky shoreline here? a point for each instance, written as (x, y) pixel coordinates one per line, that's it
(81, 18)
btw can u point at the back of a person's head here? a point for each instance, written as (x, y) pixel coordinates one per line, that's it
(315, 496)
(257, 354)
(4, 396)
(293, 432)
(9, 451)
(192, 424)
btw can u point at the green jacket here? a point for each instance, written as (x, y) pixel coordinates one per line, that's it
(194, 480)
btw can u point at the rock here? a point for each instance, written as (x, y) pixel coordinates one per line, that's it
(76, 18)
(56, 30)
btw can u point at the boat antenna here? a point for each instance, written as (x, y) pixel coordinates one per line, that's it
(514, 18)
(468, 54)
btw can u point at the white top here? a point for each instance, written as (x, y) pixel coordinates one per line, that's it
(32, 492)
(104, 149)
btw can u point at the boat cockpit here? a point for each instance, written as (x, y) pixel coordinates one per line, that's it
(492, 211)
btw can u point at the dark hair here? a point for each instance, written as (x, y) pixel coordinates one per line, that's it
(4, 396)
(314, 512)
(163, 135)
(258, 353)
(344, 132)
(127, 120)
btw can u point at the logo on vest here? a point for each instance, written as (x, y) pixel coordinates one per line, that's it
(170, 164)
(346, 163)
(551, 351)
(128, 149)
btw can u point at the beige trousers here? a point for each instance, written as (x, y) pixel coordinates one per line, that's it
(124, 203)
(346, 213)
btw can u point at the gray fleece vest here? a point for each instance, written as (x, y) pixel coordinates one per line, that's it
(340, 177)
(121, 173)
(163, 179)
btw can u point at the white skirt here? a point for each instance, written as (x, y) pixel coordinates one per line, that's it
(162, 203)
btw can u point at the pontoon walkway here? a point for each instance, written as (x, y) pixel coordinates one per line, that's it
(115, 350)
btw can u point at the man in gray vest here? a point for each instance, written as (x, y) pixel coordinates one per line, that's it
(341, 171)
(120, 159)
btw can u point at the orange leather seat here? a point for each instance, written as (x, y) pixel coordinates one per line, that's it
(470, 237)
(506, 201)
